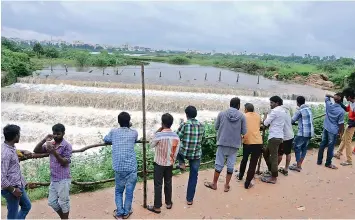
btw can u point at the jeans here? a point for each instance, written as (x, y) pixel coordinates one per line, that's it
(191, 186)
(255, 151)
(124, 180)
(271, 155)
(160, 173)
(328, 140)
(13, 204)
(58, 197)
(300, 146)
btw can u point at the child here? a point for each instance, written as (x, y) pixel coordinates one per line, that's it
(166, 144)
(60, 152)
(124, 163)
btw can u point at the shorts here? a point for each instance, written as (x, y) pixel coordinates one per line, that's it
(222, 153)
(58, 197)
(285, 147)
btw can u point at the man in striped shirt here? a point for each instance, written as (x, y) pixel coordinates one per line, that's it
(166, 144)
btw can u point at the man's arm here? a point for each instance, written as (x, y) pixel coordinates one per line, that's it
(39, 147)
(154, 142)
(243, 126)
(5, 183)
(181, 131)
(295, 117)
(270, 117)
(341, 124)
(108, 138)
(328, 102)
(218, 121)
(64, 159)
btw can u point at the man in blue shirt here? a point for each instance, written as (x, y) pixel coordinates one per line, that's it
(124, 163)
(333, 125)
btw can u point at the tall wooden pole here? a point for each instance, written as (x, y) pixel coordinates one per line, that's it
(144, 142)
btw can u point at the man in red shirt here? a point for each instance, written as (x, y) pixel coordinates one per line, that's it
(347, 137)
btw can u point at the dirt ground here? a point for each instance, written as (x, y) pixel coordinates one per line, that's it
(316, 192)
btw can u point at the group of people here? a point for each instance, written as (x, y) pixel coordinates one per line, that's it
(233, 127)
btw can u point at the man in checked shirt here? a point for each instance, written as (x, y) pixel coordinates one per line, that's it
(190, 133)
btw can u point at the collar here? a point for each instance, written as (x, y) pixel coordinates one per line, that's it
(10, 147)
(166, 130)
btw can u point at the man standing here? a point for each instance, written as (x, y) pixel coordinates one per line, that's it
(349, 94)
(230, 126)
(276, 121)
(333, 124)
(12, 181)
(286, 145)
(253, 145)
(305, 132)
(190, 133)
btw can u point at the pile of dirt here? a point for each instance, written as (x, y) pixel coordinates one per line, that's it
(320, 80)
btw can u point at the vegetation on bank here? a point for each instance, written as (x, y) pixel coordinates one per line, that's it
(97, 165)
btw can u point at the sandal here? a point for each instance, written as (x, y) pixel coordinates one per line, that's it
(227, 188)
(283, 171)
(251, 185)
(115, 214)
(346, 163)
(169, 206)
(152, 209)
(128, 215)
(190, 203)
(210, 185)
(331, 166)
(266, 173)
(267, 180)
(295, 168)
(337, 156)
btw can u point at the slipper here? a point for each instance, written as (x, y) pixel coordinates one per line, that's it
(266, 173)
(190, 203)
(151, 208)
(346, 163)
(267, 180)
(127, 216)
(251, 185)
(295, 168)
(283, 171)
(169, 206)
(227, 188)
(210, 185)
(115, 214)
(331, 166)
(337, 156)
(238, 178)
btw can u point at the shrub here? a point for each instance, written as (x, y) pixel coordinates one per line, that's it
(179, 60)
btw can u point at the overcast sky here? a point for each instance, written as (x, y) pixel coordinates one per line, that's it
(318, 28)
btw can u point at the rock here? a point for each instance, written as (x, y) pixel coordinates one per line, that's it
(301, 208)
(319, 80)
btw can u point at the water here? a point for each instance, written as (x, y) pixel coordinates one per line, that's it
(191, 75)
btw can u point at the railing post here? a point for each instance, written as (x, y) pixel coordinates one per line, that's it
(220, 76)
(144, 142)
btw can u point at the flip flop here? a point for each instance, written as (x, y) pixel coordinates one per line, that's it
(115, 215)
(151, 208)
(283, 171)
(251, 185)
(295, 168)
(227, 188)
(210, 185)
(331, 166)
(346, 163)
(190, 203)
(267, 180)
(127, 216)
(169, 206)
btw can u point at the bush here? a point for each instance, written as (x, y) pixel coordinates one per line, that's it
(179, 60)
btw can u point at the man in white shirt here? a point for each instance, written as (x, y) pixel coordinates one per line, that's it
(286, 145)
(276, 122)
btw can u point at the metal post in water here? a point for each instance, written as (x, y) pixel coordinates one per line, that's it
(220, 75)
(205, 76)
(66, 69)
(144, 142)
(160, 74)
(51, 67)
(258, 78)
(134, 74)
(180, 74)
(238, 77)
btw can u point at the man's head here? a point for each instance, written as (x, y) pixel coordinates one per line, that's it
(338, 98)
(275, 101)
(300, 101)
(235, 103)
(58, 132)
(124, 119)
(167, 120)
(191, 112)
(12, 133)
(349, 94)
(248, 107)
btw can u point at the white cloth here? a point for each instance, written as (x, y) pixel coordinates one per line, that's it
(288, 130)
(276, 120)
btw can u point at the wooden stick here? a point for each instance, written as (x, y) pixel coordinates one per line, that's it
(258, 79)
(160, 74)
(144, 142)
(180, 74)
(220, 76)
(205, 76)
(238, 77)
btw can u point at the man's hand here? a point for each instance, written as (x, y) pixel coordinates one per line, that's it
(50, 148)
(49, 137)
(330, 96)
(160, 129)
(17, 193)
(181, 120)
(265, 115)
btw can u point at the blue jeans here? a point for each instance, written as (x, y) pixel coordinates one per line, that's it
(300, 144)
(124, 180)
(191, 186)
(328, 140)
(13, 204)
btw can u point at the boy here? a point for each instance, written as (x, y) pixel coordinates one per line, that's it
(12, 181)
(60, 152)
(230, 126)
(333, 125)
(276, 121)
(253, 145)
(190, 133)
(349, 94)
(166, 144)
(305, 132)
(124, 163)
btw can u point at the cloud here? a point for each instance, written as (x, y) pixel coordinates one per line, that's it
(318, 28)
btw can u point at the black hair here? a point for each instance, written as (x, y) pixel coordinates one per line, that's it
(349, 92)
(341, 96)
(300, 100)
(167, 120)
(123, 119)
(277, 99)
(191, 111)
(58, 128)
(249, 107)
(235, 102)
(11, 131)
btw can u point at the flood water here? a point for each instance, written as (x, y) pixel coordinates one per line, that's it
(191, 75)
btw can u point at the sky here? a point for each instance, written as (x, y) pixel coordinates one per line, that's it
(316, 28)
